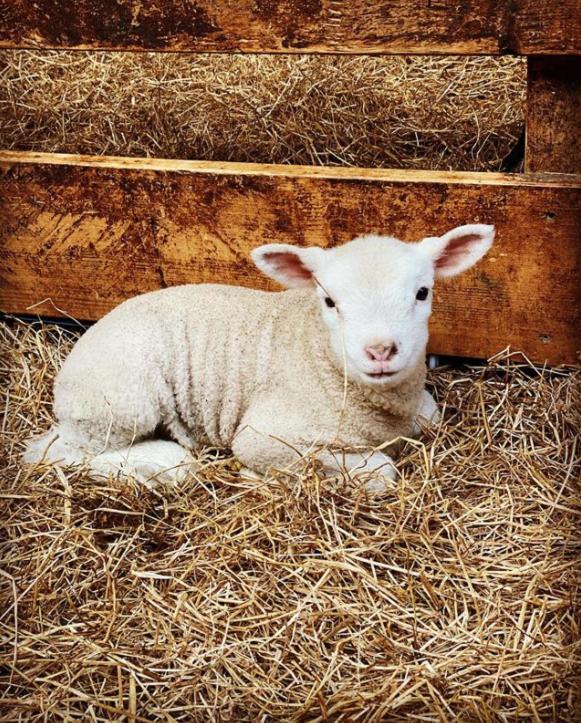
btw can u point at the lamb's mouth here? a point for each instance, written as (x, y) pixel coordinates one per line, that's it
(380, 375)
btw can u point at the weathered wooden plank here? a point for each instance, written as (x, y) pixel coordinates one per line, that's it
(553, 115)
(543, 27)
(256, 26)
(228, 168)
(88, 233)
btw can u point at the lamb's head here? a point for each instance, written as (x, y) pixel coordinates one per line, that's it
(375, 293)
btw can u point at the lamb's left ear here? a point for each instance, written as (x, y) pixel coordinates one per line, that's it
(290, 265)
(459, 249)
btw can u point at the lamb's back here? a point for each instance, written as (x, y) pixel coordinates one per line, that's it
(199, 340)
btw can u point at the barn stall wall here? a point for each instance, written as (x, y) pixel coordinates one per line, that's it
(82, 233)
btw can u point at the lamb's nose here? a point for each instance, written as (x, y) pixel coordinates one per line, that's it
(381, 352)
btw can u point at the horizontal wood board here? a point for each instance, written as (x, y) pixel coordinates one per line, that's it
(487, 27)
(88, 233)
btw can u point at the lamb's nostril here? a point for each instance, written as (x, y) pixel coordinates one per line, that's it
(381, 352)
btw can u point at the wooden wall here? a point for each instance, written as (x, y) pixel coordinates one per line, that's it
(79, 235)
(487, 27)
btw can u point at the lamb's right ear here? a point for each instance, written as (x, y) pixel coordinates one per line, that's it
(291, 266)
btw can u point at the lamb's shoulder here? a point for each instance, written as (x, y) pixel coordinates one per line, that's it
(226, 355)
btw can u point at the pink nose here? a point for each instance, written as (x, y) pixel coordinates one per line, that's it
(381, 352)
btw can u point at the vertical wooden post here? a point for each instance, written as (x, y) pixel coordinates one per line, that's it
(553, 114)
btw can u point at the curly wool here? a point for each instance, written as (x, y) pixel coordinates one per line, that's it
(228, 367)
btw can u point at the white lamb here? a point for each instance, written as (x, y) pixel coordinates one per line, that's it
(333, 368)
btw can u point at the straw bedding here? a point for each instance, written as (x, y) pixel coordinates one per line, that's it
(455, 596)
(420, 112)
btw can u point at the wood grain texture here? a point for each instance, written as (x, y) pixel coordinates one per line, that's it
(486, 27)
(230, 168)
(543, 27)
(88, 236)
(554, 115)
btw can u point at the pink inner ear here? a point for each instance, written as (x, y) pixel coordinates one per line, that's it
(289, 265)
(455, 250)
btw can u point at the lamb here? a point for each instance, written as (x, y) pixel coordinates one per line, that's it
(330, 369)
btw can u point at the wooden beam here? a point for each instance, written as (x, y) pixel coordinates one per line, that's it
(553, 115)
(487, 27)
(542, 27)
(81, 234)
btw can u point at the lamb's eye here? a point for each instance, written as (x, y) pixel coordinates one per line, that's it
(329, 301)
(422, 294)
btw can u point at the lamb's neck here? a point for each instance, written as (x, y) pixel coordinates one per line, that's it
(398, 398)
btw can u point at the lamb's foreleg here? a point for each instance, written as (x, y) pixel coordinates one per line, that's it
(375, 468)
(427, 414)
(260, 452)
(149, 462)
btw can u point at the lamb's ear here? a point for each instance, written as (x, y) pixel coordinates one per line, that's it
(459, 249)
(289, 265)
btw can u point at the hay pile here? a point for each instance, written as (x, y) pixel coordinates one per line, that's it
(454, 597)
(417, 112)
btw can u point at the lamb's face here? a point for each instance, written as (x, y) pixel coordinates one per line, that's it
(375, 293)
(376, 298)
